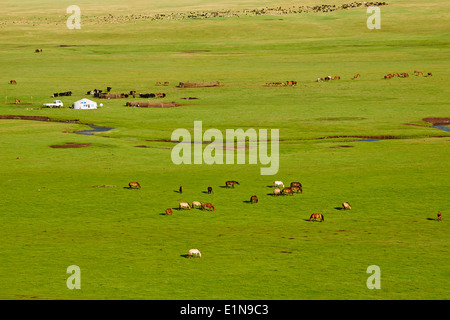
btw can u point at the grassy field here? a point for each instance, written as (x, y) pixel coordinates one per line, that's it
(71, 206)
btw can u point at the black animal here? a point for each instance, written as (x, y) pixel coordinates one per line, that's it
(209, 190)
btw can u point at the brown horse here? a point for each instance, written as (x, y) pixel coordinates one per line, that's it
(16, 101)
(12, 82)
(337, 78)
(356, 76)
(296, 189)
(429, 74)
(254, 199)
(134, 185)
(297, 184)
(210, 190)
(316, 216)
(209, 206)
(231, 183)
(181, 189)
(439, 216)
(346, 206)
(287, 190)
(168, 212)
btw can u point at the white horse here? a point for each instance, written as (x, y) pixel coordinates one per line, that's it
(278, 184)
(195, 252)
(184, 205)
(277, 191)
(196, 204)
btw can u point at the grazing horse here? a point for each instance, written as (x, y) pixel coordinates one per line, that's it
(297, 184)
(196, 204)
(231, 183)
(296, 189)
(346, 206)
(184, 205)
(287, 190)
(277, 191)
(168, 212)
(278, 184)
(337, 78)
(319, 80)
(181, 189)
(210, 190)
(429, 74)
(12, 82)
(38, 50)
(316, 216)
(254, 199)
(134, 185)
(195, 252)
(439, 216)
(209, 206)
(16, 101)
(356, 76)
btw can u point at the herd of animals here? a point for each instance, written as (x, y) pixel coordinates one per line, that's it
(278, 189)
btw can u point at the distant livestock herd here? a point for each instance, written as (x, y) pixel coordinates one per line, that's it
(278, 189)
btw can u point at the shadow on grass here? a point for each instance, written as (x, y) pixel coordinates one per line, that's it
(339, 208)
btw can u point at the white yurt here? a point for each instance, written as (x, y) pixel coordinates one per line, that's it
(84, 104)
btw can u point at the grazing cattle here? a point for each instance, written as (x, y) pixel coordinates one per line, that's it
(195, 252)
(169, 212)
(184, 205)
(12, 82)
(429, 74)
(16, 101)
(278, 184)
(38, 50)
(209, 206)
(158, 83)
(388, 76)
(166, 83)
(327, 78)
(395, 75)
(316, 216)
(277, 191)
(356, 76)
(134, 185)
(196, 204)
(346, 206)
(319, 80)
(181, 189)
(210, 190)
(231, 183)
(287, 191)
(439, 216)
(254, 199)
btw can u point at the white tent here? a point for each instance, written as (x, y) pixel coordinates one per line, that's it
(84, 104)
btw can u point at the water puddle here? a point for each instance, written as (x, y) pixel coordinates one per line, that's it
(94, 129)
(444, 127)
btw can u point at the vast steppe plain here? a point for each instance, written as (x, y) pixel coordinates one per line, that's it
(359, 140)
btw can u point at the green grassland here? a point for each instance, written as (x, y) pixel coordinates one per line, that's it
(54, 213)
